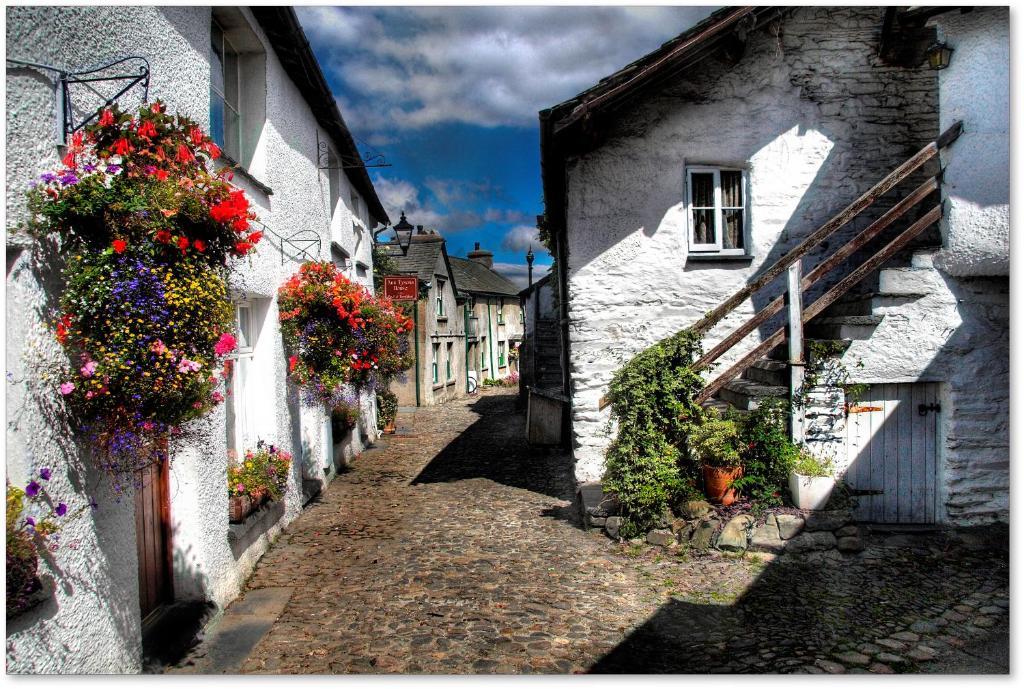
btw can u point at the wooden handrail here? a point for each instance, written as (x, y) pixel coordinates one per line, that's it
(824, 301)
(826, 230)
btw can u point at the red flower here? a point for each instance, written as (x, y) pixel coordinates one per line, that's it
(106, 118)
(121, 147)
(293, 361)
(161, 175)
(184, 154)
(196, 134)
(62, 328)
(69, 159)
(163, 236)
(212, 149)
(243, 247)
(255, 237)
(183, 243)
(157, 107)
(199, 245)
(120, 245)
(225, 344)
(147, 130)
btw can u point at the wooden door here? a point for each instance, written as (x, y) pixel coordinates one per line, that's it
(153, 534)
(891, 439)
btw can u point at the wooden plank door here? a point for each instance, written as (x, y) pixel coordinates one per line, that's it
(153, 534)
(891, 453)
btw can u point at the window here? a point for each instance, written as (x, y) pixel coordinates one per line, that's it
(238, 86)
(483, 353)
(448, 363)
(240, 434)
(433, 359)
(334, 181)
(501, 312)
(716, 208)
(501, 353)
(340, 257)
(440, 298)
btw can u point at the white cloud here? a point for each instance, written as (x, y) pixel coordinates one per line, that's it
(412, 67)
(521, 238)
(399, 195)
(518, 272)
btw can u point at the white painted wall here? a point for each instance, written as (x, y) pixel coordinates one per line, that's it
(92, 625)
(975, 89)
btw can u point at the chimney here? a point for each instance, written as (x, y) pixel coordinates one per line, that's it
(481, 256)
(419, 229)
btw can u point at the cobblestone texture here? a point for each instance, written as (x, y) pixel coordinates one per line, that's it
(456, 549)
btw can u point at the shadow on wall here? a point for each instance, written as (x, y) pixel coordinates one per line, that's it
(493, 448)
(799, 610)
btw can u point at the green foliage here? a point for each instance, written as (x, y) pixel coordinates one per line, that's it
(387, 407)
(769, 454)
(651, 397)
(808, 464)
(715, 441)
(383, 264)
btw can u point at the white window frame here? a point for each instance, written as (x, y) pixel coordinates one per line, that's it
(716, 247)
(449, 370)
(240, 428)
(232, 149)
(440, 313)
(434, 348)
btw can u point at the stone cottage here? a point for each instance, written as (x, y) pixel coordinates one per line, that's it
(438, 372)
(248, 76)
(680, 180)
(494, 325)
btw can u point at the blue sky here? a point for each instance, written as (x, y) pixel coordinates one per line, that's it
(450, 96)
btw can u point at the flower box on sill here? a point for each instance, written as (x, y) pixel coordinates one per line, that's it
(260, 517)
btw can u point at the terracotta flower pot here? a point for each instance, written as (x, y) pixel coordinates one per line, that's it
(239, 507)
(390, 428)
(716, 484)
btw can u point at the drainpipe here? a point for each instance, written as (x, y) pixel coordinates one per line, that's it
(490, 343)
(416, 344)
(465, 330)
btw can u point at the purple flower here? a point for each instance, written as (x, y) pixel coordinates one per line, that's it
(48, 177)
(89, 167)
(30, 521)
(61, 510)
(32, 489)
(68, 178)
(93, 504)
(113, 169)
(45, 473)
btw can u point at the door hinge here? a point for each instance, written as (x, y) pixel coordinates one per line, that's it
(923, 409)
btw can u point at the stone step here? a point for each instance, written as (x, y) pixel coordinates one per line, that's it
(745, 394)
(906, 281)
(843, 327)
(769, 372)
(870, 303)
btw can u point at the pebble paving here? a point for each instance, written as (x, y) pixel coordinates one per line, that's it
(454, 548)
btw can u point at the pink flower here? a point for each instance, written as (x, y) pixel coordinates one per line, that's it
(225, 344)
(89, 369)
(158, 347)
(67, 388)
(187, 365)
(240, 488)
(217, 397)
(89, 395)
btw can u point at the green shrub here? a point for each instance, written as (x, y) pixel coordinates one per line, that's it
(651, 397)
(715, 441)
(769, 454)
(809, 465)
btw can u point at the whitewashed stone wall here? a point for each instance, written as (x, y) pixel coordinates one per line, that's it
(812, 115)
(92, 625)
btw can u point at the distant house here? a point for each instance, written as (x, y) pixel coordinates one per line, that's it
(438, 373)
(680, 180)
(494, 320)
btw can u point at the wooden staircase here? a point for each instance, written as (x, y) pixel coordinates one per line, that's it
(846, 311)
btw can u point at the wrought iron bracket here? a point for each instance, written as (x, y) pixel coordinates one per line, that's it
(323, 158)
(303, 245)
(93, 79)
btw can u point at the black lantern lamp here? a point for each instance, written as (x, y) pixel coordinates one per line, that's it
(529, 266)
(938, 55)
(403, 231)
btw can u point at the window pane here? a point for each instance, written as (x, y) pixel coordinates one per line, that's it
(244, 328)
(732, 189)
(704, 226)
(703, 189)
(733, 229)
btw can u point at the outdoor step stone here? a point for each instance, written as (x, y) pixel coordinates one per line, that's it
(809, 541)
(789, 525)
(827, 520)
(661, 537)
(734, 535)
(694, 509)
(612, 526)
(703, 534)
(765, 539)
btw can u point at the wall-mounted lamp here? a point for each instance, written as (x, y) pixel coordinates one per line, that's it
(938, 54)
(403, 231)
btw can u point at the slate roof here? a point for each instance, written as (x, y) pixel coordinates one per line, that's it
(476, 278)
(421, 260)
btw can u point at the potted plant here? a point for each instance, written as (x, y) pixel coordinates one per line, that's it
(261, 476)
(715, 442)
(344, 416)
(387, 409)
(811, 481)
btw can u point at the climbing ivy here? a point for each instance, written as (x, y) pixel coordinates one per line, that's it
(652, 399)
(825, 367)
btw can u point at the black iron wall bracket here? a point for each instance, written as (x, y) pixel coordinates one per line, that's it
(135, 70)
(323, 158)
(303, 245)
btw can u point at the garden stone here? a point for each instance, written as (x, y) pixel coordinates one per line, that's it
(596, 521)
(682, 529)
(734, 535)
(853, 658)
(848, 530)
(765, 539)
(612, 526)
(702, 535)
(827, 520)
(922, 653)
(808, 541)
(789, 525)
(666, 518)
(850, 544)
(694, 509)
(660, 537)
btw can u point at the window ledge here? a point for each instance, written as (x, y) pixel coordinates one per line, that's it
(237, 167)
(708, 258)
(437, 386)
(443, 318)
(257, 519)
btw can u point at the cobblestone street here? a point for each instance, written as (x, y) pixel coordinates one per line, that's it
(454, 548)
